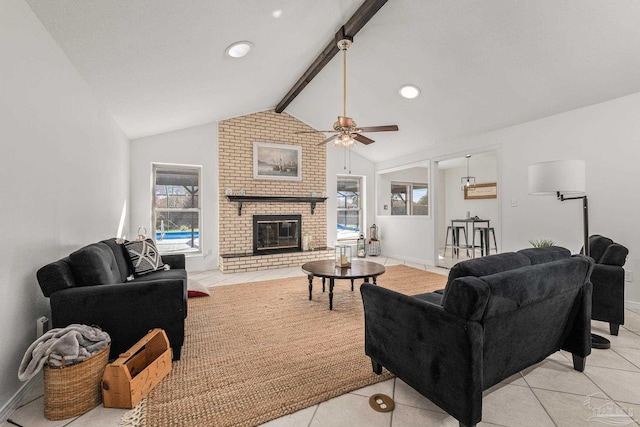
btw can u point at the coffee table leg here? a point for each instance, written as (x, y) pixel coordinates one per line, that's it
(323, 279)
(351, 285)
(310, 286)
(374, 280)
(331, 282)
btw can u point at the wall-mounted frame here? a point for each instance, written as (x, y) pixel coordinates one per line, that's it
(277, 161)
(481, 191)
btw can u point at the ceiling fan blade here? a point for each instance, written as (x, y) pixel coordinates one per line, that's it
(331, 138)
(387, 128)
(362, 138)
(313, 131)
(345, 122)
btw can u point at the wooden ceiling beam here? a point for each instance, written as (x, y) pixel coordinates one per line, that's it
(364, 13)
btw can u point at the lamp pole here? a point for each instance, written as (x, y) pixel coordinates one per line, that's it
(585, 216)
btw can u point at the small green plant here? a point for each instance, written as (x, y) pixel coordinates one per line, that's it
(541, 243)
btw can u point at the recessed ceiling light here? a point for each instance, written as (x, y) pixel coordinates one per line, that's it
(239, 49)
(276, 13)
(409, 91)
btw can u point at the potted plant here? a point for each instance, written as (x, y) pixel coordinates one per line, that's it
(541, 243)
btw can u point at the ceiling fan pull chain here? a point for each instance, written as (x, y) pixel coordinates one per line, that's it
(344, 156)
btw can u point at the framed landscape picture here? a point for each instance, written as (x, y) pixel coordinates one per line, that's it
(277, 161)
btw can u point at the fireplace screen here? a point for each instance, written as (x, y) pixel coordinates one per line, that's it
(276, 233)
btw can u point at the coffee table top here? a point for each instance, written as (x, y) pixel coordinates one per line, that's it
(359, 269)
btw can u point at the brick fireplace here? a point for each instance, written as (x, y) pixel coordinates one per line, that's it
(235, 138)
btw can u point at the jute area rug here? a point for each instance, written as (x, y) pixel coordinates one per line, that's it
(258, 351)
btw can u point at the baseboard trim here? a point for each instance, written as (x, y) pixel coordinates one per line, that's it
(635, 306)
(15, 402)
(405, 259)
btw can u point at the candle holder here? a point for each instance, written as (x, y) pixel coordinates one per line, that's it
(361, 250)
(343, 256)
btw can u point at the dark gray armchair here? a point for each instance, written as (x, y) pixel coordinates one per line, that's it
(497, 315)
(608, 281)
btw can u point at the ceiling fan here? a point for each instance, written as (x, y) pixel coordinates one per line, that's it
(345, 131)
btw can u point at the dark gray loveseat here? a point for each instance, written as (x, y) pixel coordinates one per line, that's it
(90, 287)
(496, 316)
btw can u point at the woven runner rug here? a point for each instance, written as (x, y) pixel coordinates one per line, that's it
(254, 352)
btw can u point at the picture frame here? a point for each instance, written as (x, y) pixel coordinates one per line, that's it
(481, 191)
(277, 161)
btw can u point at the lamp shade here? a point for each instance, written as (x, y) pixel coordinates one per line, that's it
(559, 176)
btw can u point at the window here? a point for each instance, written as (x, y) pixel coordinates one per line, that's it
(176, 208)
(349, 203)
(409, 198)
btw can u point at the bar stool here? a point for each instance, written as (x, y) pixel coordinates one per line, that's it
(485, 243)
(455, 240)
(446, 240)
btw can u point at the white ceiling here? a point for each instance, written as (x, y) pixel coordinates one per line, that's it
(159, 65)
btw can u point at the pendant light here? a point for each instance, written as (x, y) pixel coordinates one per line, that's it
(467, 181)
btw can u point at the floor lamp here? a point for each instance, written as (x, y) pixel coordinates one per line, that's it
(561, 178)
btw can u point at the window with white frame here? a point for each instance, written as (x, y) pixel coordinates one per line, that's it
(349, 201)
(409, 198)
(176, 208)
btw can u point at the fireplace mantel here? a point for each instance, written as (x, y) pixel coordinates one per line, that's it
(276, 199)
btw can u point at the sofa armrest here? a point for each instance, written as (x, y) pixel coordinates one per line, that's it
(608, 293)
(432, 350)
(127, 311)
(175, 261)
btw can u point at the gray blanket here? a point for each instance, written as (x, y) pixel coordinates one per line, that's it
(69, 345)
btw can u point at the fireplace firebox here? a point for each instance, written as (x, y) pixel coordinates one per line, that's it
(276, 234)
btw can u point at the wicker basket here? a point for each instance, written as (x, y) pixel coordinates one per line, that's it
(73, 390)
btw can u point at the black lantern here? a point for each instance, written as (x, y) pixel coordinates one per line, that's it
(360, 247)
(373, 232)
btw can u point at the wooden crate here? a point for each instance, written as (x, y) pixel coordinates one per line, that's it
(137, 371)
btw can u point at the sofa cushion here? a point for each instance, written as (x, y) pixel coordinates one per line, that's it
(56, 276)
(478, 267)
(122, 259)
(162, 275)
(615, 254)
(515, 289)
(597, 246)
(466, 297)
(94, 264)
(432, 297)
(546, 254)
(143, 256)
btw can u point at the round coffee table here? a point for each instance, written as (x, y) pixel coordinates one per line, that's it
(327, 270)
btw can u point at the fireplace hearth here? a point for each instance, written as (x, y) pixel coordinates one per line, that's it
(276, 234)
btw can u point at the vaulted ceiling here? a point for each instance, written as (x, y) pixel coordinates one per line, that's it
(160, 65)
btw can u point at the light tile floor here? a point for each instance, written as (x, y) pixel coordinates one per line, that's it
(548, 394)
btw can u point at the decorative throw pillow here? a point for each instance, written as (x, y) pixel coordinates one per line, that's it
(144, 257)
(196, 289)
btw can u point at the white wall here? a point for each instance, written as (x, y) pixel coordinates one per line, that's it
(359, 167)
(193, 146)
(485, 169)
(64, 170)
(606, 136)
(403, 236)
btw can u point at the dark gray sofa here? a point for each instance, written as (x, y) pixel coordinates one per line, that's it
(90, 287)
(496, 316)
